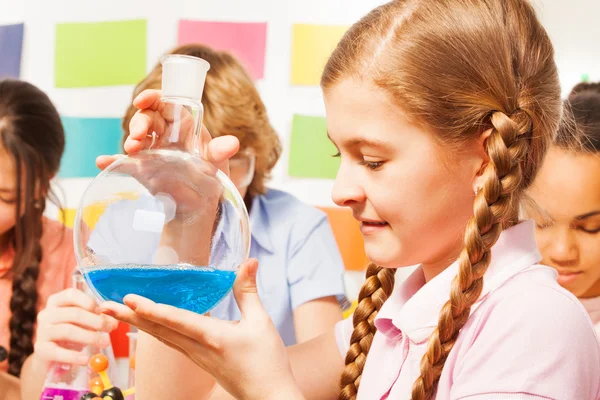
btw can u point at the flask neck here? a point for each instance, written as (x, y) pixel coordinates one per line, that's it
(182, 126)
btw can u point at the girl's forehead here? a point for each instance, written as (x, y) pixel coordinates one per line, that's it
(568, 184)
(361, 113)
(362, 99)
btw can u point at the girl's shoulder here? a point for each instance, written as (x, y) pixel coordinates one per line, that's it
(56, 238)
(58, 260)
(532, 299)
(58, 256)
(529, 333)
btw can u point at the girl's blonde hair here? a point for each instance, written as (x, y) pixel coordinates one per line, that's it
(232, 106)
(457, 68)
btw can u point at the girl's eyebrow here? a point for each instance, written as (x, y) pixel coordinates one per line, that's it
(364, 142)
(587, 215)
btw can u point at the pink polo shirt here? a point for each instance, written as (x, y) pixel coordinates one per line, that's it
(592, 305)
(526, 338)
(56, 269)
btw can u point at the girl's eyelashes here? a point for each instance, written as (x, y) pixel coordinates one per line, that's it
(591, 231)
(372, 165)
(8, 200)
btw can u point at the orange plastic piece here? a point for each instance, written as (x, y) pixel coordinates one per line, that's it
(97, 390)
(96, 386)
(96, 382)
(132, 362)
(99, 363)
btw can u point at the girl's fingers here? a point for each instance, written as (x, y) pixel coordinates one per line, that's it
(74, 334)
(141, 127)
(148, 99)
(102, 162)
(245, 291)
(82, 318)
(151, 100)
(205, 139)
(198, 327)
(132, 146)
(219, 150)
(52, 352)
(168, 335)
(71, 297)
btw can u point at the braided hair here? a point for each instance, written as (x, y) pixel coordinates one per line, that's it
(458, 68)
(31, 132)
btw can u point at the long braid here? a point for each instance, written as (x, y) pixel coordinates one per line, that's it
(23, 303)
(374, 292)
(24, 312)
(457, 68)
(494, 209)
(32, 134)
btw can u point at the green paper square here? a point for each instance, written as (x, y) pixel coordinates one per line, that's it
(100, 54)
(311, 151)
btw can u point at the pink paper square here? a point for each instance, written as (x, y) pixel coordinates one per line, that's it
(246, 40)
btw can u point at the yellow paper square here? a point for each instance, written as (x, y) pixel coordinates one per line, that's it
(311, 47)
(67, 216)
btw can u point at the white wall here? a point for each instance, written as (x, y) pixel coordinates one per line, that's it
(575, 32)
(577, 53)
(281, 99)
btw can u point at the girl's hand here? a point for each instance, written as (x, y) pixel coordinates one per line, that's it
(246, 357)
(193, 186)
(152, 117)
(67, 324)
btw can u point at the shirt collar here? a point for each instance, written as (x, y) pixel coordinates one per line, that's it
(414, 306)
(591, 304)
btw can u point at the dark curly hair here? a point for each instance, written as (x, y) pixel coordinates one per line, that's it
(580, 130)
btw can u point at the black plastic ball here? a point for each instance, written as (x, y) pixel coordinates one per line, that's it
(89, 396)
(114, 393)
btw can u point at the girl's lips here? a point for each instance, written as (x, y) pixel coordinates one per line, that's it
(370, 227)
(565, 278)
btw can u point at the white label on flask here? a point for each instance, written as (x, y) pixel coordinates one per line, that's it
(148, 221)
(168, 204)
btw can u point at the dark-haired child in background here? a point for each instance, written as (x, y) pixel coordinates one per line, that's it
(39, 314)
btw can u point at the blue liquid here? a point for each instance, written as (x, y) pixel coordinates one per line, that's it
(192, 288)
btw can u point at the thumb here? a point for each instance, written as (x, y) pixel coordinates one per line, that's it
(102, 162)
(218, 150)
(245, 290)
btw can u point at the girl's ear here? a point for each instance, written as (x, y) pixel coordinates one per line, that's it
(482, 159)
